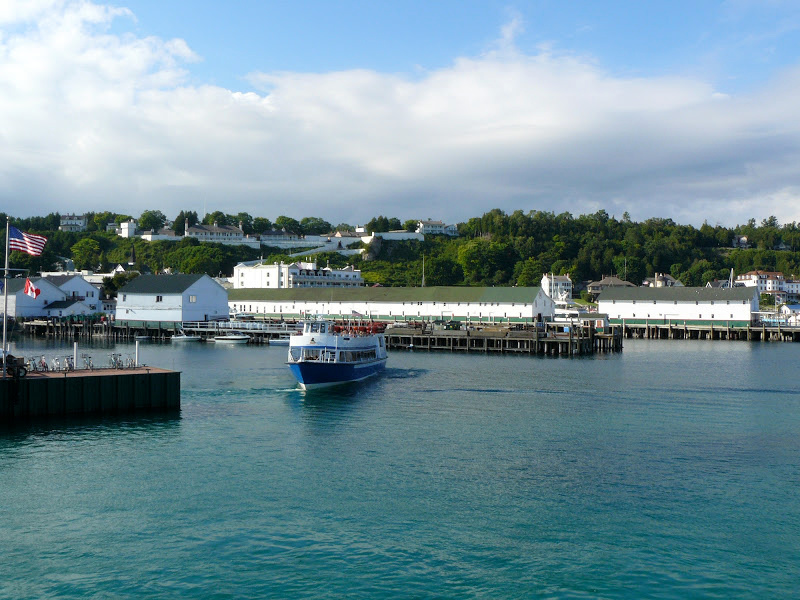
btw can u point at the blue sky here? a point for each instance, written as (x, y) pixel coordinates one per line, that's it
(347, 110)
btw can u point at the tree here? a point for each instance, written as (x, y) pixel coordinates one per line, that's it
(289, 224)
(411, 225)
(152, 220)
(315, 226)
(86, 254)
(344, 227)
(179, 225)
(218, 217)
(246, 220)
(260, 225)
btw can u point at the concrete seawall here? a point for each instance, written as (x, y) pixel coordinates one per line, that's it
(102, 391)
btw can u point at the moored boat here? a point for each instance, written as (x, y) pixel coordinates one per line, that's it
(324, 354)
(232, 338)
(185, 337)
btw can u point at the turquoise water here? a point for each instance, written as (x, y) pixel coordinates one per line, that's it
(668, 471)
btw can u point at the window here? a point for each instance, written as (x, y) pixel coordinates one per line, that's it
(124, 296)
(192, 298)
(159, 298)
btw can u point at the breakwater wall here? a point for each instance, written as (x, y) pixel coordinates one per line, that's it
(101, 391)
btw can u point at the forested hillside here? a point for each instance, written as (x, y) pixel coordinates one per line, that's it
(494, 249)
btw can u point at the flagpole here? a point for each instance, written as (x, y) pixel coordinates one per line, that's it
(5, 300)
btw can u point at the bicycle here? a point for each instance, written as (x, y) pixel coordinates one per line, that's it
(87, 362)
(115, 361)
(130, 363)
(42, 364)
(69, 364)
(55, 364)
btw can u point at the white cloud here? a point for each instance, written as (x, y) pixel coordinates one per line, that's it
(95, 121)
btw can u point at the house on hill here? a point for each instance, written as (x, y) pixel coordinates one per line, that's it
(167, 300)
(472, 304)
(609, 281)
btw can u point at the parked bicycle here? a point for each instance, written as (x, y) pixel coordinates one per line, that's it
(69, 364)
(87, 362)
(115, 361)
(55, 364)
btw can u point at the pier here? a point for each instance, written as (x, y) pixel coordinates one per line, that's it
(681, 331)
(86, 392)
(549, 339)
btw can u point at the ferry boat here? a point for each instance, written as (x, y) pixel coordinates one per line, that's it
(324, 354)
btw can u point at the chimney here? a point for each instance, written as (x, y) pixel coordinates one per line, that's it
(186, 226)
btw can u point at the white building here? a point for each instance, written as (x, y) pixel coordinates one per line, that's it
(221, 234)
(167, 300)
(393, 236)
(73, 223)
(661, 280)
(127, 229)
(675, 305)
(21, 305)
(558, 287)
(257, 274)
(76, 287)
(766, 281)
(165, 234)
(436, 228)
(470, 304)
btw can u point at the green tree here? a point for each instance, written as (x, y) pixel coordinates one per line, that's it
(86, 254)
(315, 226)
(410, 225)
(289, 224)
(218, 217)
(152, 220)
(260, 225)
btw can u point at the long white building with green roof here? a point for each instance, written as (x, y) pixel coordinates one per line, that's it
(473, 304)
(734, 307)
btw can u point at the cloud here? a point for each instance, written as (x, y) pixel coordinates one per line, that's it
(94, 121)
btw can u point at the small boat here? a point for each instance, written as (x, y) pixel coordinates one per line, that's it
(184, 337)
(325, 354)
(142, 338)
(232, 338)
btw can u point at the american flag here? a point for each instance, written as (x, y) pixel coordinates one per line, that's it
(25, 242)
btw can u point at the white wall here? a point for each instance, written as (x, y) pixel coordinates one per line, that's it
(700, 310)
(409, 310)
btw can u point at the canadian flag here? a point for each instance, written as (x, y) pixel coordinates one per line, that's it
(31, 290)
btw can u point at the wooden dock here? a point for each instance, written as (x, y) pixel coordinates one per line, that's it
(85, 392)
(678, 331)
(547, 340)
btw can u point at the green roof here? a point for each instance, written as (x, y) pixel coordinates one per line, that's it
(681, 294)
(389, 294)
(160, 284)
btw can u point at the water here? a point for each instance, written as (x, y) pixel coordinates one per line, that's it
(668, 471)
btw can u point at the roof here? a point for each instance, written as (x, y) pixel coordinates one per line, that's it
(611, 281)
(17, 284)
(214, 229)
(59, 280)
(160, 284)
(389, 294)
(61, 304)
(681, 294)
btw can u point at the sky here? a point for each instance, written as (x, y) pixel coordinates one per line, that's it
(413, 109)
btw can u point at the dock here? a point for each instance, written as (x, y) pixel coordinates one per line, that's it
(89, 392)
(550, 340)
(757, 332)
